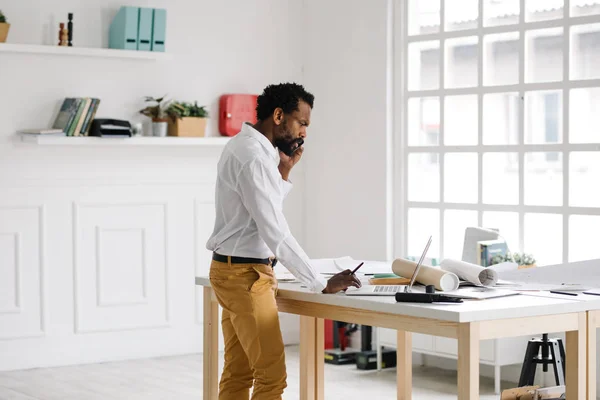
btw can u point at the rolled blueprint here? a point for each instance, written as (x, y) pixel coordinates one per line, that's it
(473, 273)
(442, 280)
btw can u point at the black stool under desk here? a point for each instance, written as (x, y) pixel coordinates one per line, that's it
(553, 352)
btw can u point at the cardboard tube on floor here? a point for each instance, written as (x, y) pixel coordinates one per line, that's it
(442, 280)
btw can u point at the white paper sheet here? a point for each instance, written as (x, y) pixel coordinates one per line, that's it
(473, 273)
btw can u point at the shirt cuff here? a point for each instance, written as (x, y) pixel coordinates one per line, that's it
(318, 285)
(286, 186)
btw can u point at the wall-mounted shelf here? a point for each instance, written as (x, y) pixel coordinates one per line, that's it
(54, 140)
(82, 51)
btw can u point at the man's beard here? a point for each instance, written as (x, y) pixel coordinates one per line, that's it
(286, 142)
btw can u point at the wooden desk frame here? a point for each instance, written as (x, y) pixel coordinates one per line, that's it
(593, 323)
(576, 325)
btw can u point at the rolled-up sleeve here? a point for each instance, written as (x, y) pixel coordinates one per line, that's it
(262, 191)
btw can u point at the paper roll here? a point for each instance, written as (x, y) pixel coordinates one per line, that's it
(473, 273)
(442, 280)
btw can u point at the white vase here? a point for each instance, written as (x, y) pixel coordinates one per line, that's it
(159, 129)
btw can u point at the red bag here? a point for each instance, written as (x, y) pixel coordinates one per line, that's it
(234, 110)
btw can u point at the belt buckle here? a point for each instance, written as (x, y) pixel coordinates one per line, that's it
(273, 261)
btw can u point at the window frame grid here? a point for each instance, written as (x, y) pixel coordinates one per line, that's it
(403, 95)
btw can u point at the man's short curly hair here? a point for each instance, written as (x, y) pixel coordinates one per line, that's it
(285, 96)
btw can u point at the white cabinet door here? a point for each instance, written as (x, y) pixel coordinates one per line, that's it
(388, 337)
(449, 347)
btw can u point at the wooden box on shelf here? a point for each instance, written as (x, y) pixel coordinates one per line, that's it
(187, 127)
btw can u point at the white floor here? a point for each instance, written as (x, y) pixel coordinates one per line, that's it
(176, 378)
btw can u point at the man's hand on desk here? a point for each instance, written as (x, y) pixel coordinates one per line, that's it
(342, 281)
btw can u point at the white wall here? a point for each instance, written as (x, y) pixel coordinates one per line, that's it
(57, 202)
(345, 67)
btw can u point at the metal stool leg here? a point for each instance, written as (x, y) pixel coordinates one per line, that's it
(559, 373)
(529, 364)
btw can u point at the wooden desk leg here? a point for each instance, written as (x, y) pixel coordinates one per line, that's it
(468, 361)
(592, 323)
(312, 352)
(211, 346)
(576, 360)
(404, 365)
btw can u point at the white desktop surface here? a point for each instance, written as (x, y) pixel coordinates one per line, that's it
(518, 306)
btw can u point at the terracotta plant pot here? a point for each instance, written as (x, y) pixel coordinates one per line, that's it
(187, 127)
(4, 27)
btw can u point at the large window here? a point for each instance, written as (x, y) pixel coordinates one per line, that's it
(501, 125)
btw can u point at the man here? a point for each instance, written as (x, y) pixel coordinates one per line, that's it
(251, 234)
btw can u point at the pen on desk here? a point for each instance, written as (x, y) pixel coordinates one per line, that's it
(567, 293)
(356, 269)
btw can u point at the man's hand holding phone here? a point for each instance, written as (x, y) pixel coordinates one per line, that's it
(287, 162)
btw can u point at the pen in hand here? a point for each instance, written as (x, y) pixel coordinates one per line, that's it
(356, 269)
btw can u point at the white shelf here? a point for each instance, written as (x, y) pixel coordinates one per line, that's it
(82, 51)
(54, 140)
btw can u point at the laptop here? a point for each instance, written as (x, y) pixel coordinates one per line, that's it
(389, 290)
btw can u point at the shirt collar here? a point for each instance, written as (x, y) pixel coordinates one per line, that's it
(262, 139)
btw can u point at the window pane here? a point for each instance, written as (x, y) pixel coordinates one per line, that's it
(461, 14)
(584, 115)
(422, 223)
(543, 117)
(584, 177)
(508, 225)
(460, 177)
(584, 7)
(501, 59)
(455, 223)
(504, 12)
(423, 121)
(423, 177)
(501, 178)
(583, 237)
(460, 120)
(543, 179)
(585, 49)
(461, 62)
(544, 238)
(501, 118)
(543, 55)
(424, 16)
(541, 10)
(424, 65)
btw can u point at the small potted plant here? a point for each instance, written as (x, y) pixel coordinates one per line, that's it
(187, 119)
(158, 112)
(4, 27)
(523, 260)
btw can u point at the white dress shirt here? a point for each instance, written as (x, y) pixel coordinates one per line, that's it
(249, 207)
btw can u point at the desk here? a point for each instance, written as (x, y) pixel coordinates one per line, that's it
(469, 322)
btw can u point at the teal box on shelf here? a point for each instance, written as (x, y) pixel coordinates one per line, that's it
(159, 28)
(123, 32)
(145, 29)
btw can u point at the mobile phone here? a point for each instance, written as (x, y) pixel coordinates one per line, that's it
(292, 147)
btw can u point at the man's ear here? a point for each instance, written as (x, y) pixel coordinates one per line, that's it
(278, 116)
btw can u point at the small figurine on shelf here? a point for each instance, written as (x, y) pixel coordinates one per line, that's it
(63, 35)
(70, 28)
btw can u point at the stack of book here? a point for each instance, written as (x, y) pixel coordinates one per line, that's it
(76, 115)
(488, 249)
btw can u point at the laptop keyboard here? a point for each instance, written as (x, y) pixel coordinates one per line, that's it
(387, 289)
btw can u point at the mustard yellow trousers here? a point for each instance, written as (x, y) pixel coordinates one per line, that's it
(254, 352)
